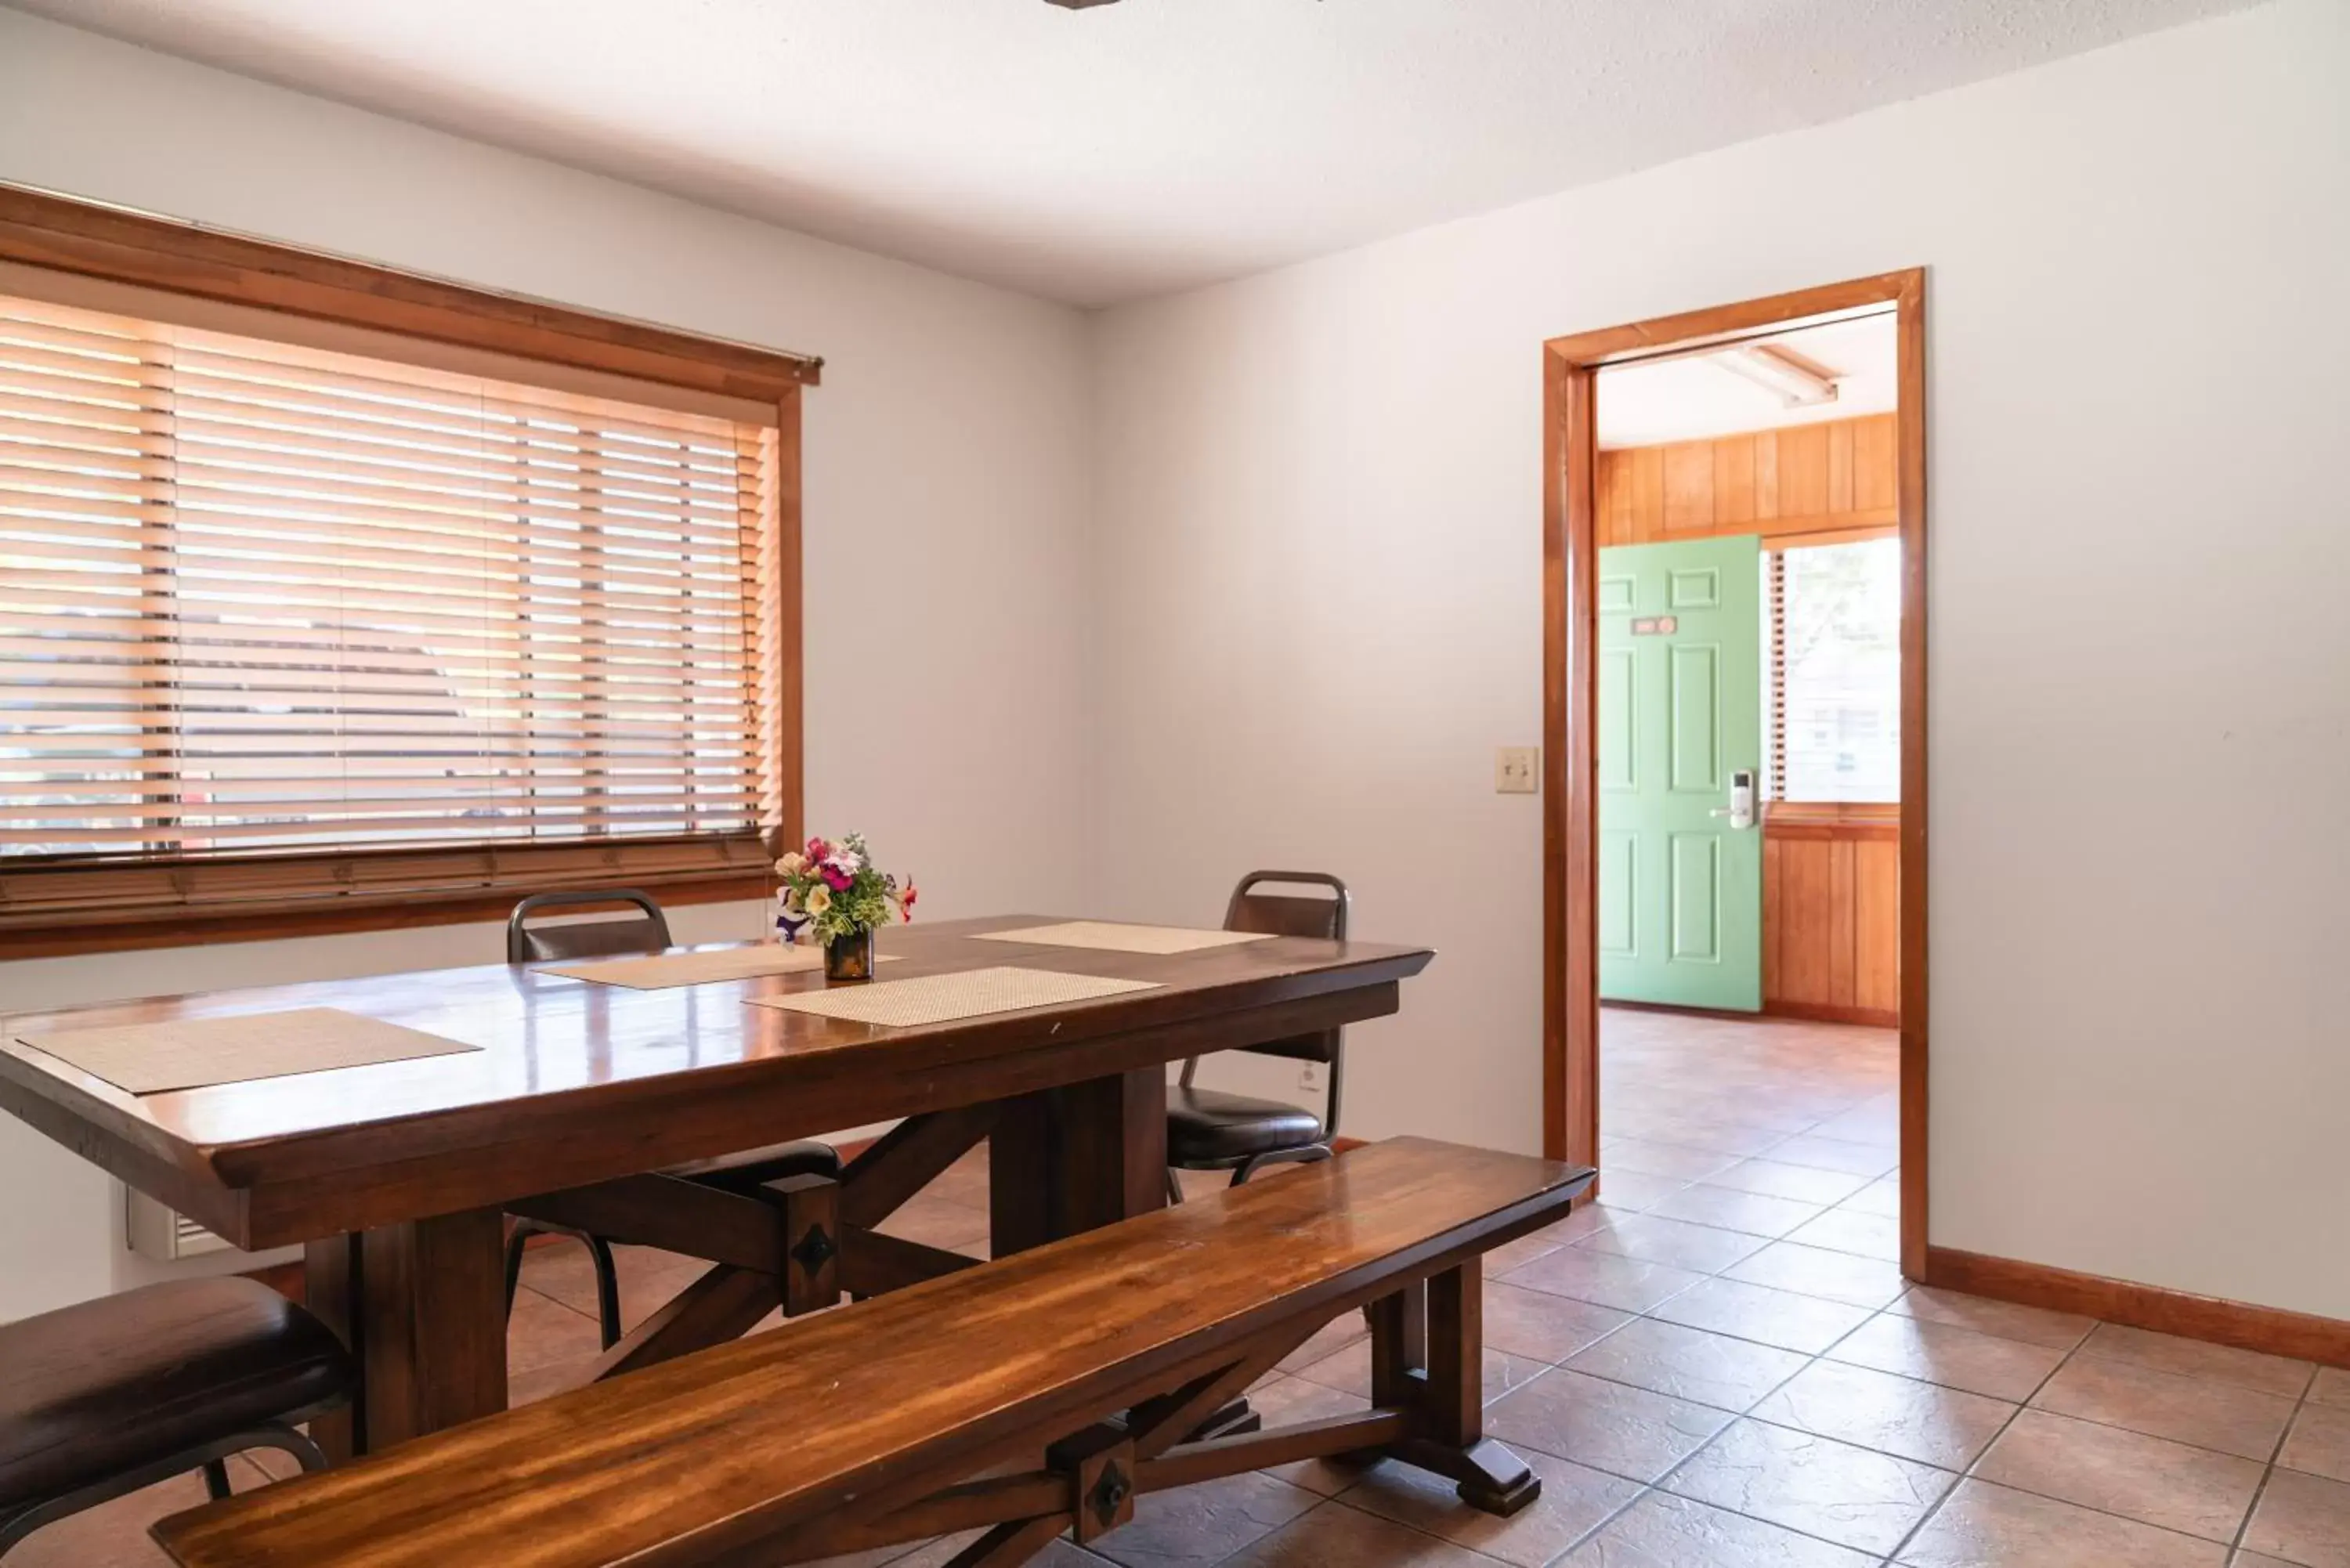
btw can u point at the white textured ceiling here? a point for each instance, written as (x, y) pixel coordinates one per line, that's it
(1133, 148)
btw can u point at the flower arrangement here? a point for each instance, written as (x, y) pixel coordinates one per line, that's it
(832, 891)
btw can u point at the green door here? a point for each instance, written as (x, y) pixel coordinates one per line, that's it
(1680, 731)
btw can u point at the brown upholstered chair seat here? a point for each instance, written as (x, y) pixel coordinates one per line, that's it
(111, 1386)
(1211, 1127)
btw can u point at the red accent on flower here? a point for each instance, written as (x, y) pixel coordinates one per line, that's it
(906, 899)
(817, 850)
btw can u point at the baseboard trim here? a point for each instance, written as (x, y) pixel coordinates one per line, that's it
(2274, 1330)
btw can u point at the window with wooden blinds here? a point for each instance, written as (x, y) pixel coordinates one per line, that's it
(279, 623)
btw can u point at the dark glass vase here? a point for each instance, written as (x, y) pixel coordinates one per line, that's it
(849, 958)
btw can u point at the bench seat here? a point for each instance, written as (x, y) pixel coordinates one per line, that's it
(1036, 1394)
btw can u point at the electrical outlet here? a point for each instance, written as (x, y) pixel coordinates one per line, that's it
(1516, 770)
(1309, 1076)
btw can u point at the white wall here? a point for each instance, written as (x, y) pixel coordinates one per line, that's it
(946, 501)
(1317, 579)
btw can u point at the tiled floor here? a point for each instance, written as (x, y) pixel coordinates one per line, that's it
(1719, 1366)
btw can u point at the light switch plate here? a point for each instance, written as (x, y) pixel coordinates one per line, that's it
(1517, 770)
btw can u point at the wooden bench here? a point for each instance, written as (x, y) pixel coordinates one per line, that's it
(1033, 1395)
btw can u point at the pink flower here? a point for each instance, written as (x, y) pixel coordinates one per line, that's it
(833, 876)
(817, 850)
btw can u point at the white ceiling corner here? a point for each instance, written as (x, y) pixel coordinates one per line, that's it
(1100, 155)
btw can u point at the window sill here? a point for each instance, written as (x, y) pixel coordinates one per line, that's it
(335, 917)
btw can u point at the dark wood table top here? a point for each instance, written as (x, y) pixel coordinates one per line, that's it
(578, 1082)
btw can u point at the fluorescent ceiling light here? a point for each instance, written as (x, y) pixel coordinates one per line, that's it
(1795, 381)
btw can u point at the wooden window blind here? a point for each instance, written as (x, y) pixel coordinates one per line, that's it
(279, 623)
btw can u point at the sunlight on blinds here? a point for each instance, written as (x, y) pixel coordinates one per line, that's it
(261, 597)
(1836, 672)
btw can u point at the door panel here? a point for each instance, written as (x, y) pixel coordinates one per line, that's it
(1680, 715)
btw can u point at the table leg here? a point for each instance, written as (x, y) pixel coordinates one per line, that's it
(423, 1306)
(1075, 1158)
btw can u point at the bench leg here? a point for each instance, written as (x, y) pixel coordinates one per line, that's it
(1449, 1397)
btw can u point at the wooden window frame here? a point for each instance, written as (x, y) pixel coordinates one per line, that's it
(63, 235)
(1570, 550)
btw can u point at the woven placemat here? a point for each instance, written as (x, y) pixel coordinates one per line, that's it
(1108, 936)
(191, 1053)
(660, 972)
(938, 998)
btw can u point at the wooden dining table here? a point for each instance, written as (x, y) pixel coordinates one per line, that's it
(584, 1100)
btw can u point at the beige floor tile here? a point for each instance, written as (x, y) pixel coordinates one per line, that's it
(1954, 1358)
(2193, 1491)
(2005, 1320)
(1817, 1272)
(1195, 1526)
(1284, 1401)
(937, 1222)
(1327, 1340)
(1662, 1531)
(1779, 1318)
(1755, 1213)
(1610, 1427)
(1574, 1499)
(2332, 1386)
(1586, 1218)
(1335, 1536)
(1850, 1230)
(2319, 1443)
(542, 1332)
(1700, 1249)
(2304, 1520)
(1603, 1279)
(1665, 1159)
(1942, 1427)
(2194, 1410)
(1796, 1183)
(1540, 1324)
(1688, 1364)
(1851, 1496)
(2254, 1560)
(1987, 1526)
(1871, 1160)
(2195, 1358)
(1630, 1191)
(1882, 1196)
(1735, 1141)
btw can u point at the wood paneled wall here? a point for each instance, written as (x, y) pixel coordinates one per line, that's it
(1833, 477)
(1832, 915)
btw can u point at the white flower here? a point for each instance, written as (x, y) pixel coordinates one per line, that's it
(846, 861)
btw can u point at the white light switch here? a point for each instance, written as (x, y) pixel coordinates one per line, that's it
(1517, 770)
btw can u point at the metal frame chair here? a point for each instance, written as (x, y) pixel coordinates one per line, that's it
(643, 932)
(648, 932)
(1288, 916)
(210, 1458)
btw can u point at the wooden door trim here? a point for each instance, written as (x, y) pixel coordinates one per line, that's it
(1570, 700)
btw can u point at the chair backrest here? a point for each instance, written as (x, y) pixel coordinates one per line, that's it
(646, 931)
(1293, 914)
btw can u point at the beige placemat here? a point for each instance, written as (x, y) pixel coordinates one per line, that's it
(1111, 936)
(189, 1053)
(662, 970)
(938, 998)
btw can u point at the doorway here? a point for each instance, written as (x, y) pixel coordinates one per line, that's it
(1696, 584)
